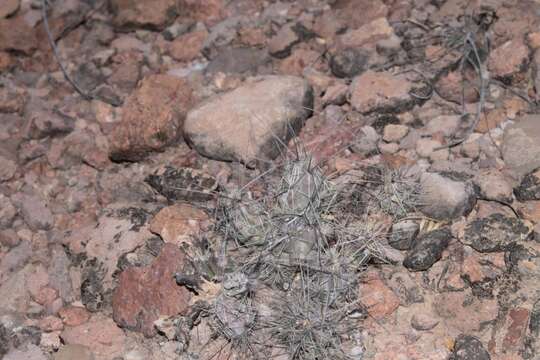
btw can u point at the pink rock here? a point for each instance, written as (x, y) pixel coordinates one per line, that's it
(16, 35)
(509, 59)
(51, 323)
(74, 315)
(100, 334)
(379, 300)
(155, 14)
(145, 294)
(179, 223)
(187, 47)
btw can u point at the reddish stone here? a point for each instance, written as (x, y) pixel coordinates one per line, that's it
(379, 300)
(46, 295)
(509, 59)
(209, 11)
(144, 294)
(187, 47)
(16, 35)
(179, 223)
(152, 117)
(74, 315)
(517, 322)
(155, 14)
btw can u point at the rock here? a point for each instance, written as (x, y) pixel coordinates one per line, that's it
(394, 133)
(8, 168)
(449, 87)
(348, 63)
(280, 45)
(11, 101)
(9, 238)
(508, 60)
(29, 352)
(42, 123)
(251, 122)
(366, 141)
(7, 212)
(514, 329)
(126, 73)
(74, 315)
(100, 334)
(16, 35)
(50, 341)
(152, 117)
(34, 211)
(425, 147)
(145, 294)
(381, 92)
(50, 323)
(427, 250)
(403, 234)
(493, 185)
(9, 7)
(378, 299)
(443, 198)
(299, 60)
(149, 14)
(188, 47)
(367, 34)
(528, 189)
(183, 184)
(424, 322)
(59, 277)
(81, 146)
(72, 352)
(468, 347)
(238, 61)
(210, 12)
(521, 145)
(15, 259)
(180, 223)
(444, 124)
(335, 95)
(497, 232)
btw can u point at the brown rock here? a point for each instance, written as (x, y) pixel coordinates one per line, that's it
(152, 14)
(380, 91)
(187, 47)
(81, 146)
(210, 11)
(491, 120)
(6, 61)
(179, 223)
(509, 59)
(126, 70)
(16, 35)
(450, 87)
(11, 101)
(370, 33)
(50, 323)
(494, 185)
(74, 315)
(281, 43)
(299, 59)
(9, 7)
(379, 300)
(74, 352)
(371, 9)
(152, 117)
(518, 321)
(46, 295)
(252, 36)
(394, 133)
(100, 334)
(145, 294)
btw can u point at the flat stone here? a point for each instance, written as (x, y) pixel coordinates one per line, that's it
(521, 145)
(527, 190)
(381, 91)
(9, 7)
(251, 122)
(493, 185)
(29, 352)
(34, 211)
(145, 294)
(394, 133)
(180, 223)
(151, 14)
(379, 300)
(468, 347)
(403, 234)
(16, 35)
(74, 351)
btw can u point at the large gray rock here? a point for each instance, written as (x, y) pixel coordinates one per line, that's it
(521, 145)
(444, 198)
(251, 122)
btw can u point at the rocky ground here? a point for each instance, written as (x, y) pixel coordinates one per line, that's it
(244, 179)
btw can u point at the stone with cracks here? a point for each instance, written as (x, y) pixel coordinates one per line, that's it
(145, 294)
(252, 122)
(521, 145)
(427, 250)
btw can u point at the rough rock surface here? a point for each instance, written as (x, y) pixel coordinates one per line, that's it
(252, 122)
(427, 250)
(521, 145)
(143, 14)
(152, 117)
(145, 294)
